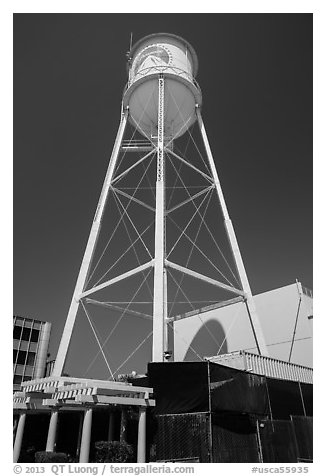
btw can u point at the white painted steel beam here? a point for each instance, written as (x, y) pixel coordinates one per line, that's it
(201, 310)
(133, 199)
(202, 277)
(207, 177)
(126, 275)
(165, 323)
(142, 315)
(190, 199)
(125, 172)
(254, 320)
(88, 255)
(158, 299)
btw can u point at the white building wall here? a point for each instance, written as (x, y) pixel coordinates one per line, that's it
(231, 329)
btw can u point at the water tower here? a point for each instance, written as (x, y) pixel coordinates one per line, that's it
(161, 101)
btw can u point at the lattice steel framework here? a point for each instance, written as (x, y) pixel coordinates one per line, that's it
(162, 147)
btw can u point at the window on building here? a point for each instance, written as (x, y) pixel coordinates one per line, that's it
(26, 333)
(21, 357)
(28, 371)
(19, 321)
(19, 369)
(35, 335)
(17, 379)
(15, 355)
(33, 346)
(17, 332)
(30, 358)
(26, 377)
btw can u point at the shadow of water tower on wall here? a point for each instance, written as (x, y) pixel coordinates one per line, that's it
(209, 340)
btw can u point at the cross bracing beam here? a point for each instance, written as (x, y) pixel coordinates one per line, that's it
(211, 307)
(202, 277)
(120, 308)
(190, 199)
(132, 167)
(117, 279)
(207, 177)
(130, 197)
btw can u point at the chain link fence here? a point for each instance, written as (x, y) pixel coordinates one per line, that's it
(183, 437)
(303, 429)
(230, 438)
(235, 439)
(277, 440)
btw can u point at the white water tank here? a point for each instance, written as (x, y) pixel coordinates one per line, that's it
(174, 58)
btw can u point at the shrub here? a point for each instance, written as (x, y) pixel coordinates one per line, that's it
(51, 457)
(113, 452)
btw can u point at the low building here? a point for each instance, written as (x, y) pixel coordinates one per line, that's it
(31, 342)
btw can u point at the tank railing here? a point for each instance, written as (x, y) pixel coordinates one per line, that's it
(144, 144)
(140, 145)
(161, 69)
(136, 142)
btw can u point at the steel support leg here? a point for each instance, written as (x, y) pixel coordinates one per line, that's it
(85, 266)
(166, 329)
(254, 320)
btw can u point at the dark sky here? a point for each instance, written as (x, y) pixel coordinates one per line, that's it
(255, 72)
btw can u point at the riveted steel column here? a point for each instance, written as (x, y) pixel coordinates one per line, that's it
(158, 299)
(166, 329)
(254, 320)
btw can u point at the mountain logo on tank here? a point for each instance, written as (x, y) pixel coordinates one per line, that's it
(152, 56)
